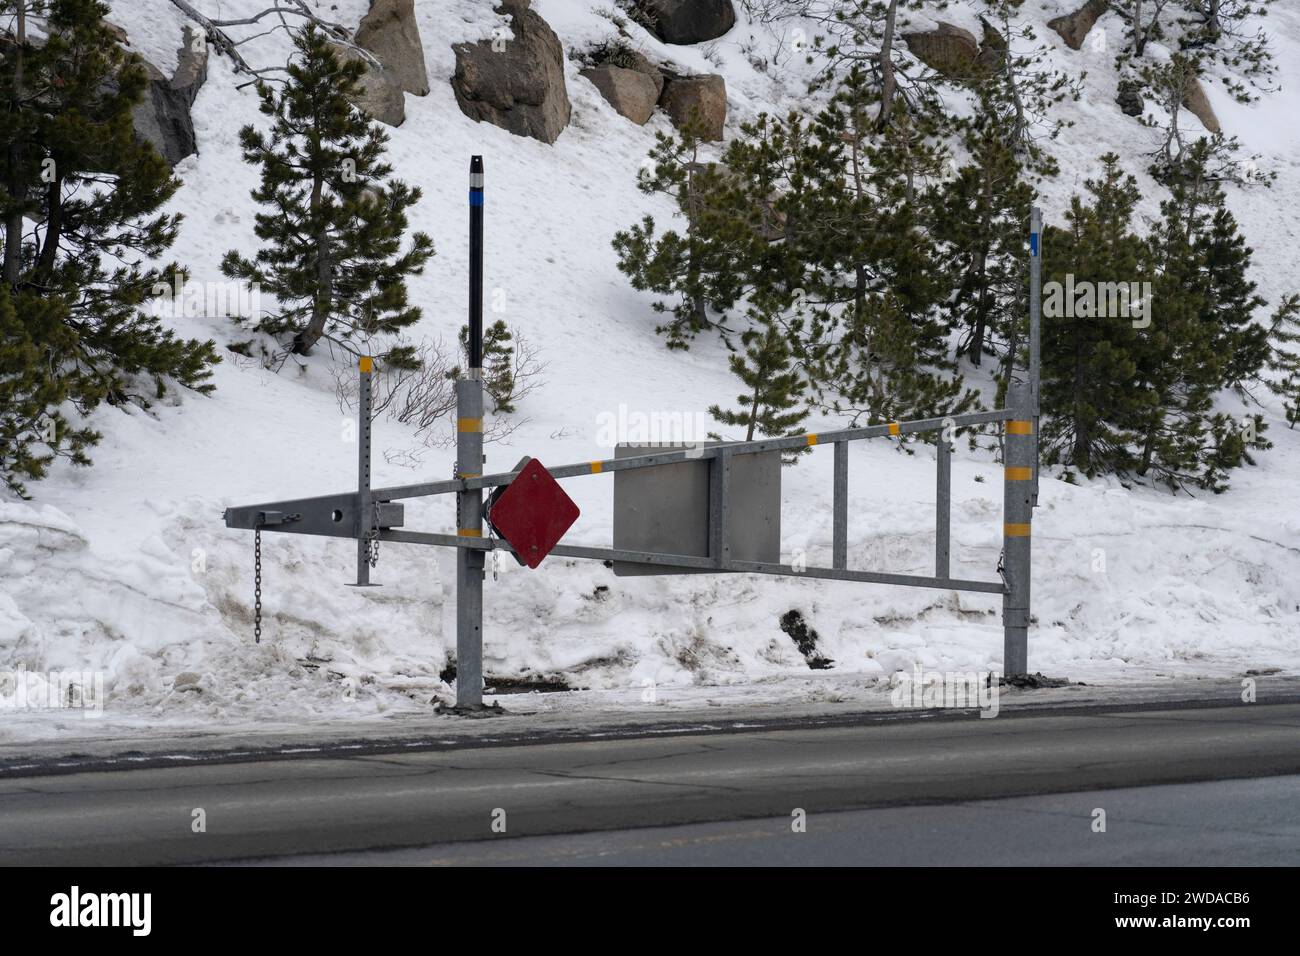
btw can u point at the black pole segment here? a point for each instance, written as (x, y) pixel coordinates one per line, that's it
(476, 262)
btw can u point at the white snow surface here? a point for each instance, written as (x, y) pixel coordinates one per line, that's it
(127, 569)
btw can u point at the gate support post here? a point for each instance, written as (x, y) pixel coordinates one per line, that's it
(469, 464)
(840, 508)
(1017, 512)
(1035, 321)
(365, 509)
(469, 561)
(942, 506)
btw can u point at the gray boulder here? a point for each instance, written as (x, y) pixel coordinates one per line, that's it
(947, 49)
(1129, 98)
(699, 98)
(630, 59)
(1074, 27)
(1195, 100)
(993, 48)
(163, 116)
(520, 86)
(389, 32)
(632, 94)
(687, 21)
(379, 93)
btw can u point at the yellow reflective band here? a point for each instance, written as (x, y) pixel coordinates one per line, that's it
(469, 424)
(893, 428)
(1019, 474)
(471, 474)
(597, 468)
(812, 439)
(470, 533)
(1020, 428)
(1016, 530)
(367, 363)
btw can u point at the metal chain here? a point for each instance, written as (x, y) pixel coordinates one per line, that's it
(372, 551)
(257, 585)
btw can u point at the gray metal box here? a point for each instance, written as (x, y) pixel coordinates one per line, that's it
(665, 508)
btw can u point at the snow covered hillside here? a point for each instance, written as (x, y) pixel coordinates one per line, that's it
(127, 568)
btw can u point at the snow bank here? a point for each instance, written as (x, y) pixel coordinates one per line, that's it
(126, 568)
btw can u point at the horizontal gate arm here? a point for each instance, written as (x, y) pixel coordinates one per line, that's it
(336, 516)
(703, 563)
(702, 452)
(689, 453)
(869, 577)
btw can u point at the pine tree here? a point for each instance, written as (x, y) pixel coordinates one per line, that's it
(73, 166)
(1089, 362)
(333, 229)
(33, 429)
(1218, 31)
(1231, 299)
(1137, 394)
(499, 364)
(1203, 338)
(1284, 360)
(1176, 365)
(767, 218)
(1012, 80)
(878, 345)
(773, 386)
(981, 218)
(693, 268)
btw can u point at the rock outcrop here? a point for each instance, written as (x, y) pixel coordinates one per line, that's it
(702, 99)
(389, 31)
(632, 94)
(1074, 27)
(519, 84)
(1129, 98)
(993, 48)
(947, 49)
(1199, 106)
(380, 93)
(687, 21)
(163, 117)
(636, 60)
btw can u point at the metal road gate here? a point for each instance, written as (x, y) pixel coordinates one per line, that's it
(371, 515)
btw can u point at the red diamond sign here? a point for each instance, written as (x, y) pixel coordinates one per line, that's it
(532, 513)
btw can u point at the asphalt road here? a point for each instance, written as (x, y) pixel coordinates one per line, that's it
(938, 772)
(1213, 823)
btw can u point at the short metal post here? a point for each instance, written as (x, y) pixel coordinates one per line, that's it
(840, 508)
(469, 458)
(720, 507)
(1018, 512)
(1035, 332)
(942, 506)
(365, 510)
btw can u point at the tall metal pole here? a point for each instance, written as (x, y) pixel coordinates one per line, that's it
(1035, 320)
(942, 506)
(1020, 464)
(365, 509)
(469, 464)
(1017, 514)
